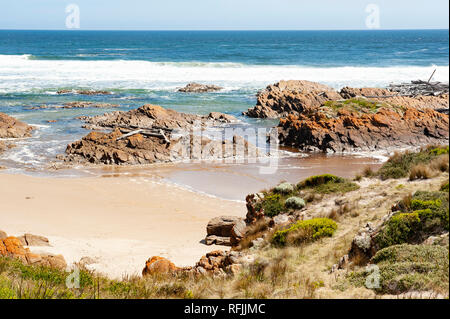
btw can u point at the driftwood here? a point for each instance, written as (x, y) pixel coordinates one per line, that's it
(154, 132)
(420, 87)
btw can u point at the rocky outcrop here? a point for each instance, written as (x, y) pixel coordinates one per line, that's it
(12, 247)
(363, 129)
(296, 97)
(215, 263)
(12, 128)
(438, 102)
(155, 116)
(220, 230)
(152, 134)
(158, 265)
(34, 240)
(291, 97)
(115, 149)
(199, 88)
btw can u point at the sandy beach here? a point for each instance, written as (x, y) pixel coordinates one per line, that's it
(119, 222)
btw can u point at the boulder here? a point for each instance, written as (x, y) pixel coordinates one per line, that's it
(3, 235)
(217, 240)
(238, 232)
(199, 88)
(54, 261)
(12, 247)
(291, 97)
(221, 226)
(12, 128)
(34, 240)
(158, 265)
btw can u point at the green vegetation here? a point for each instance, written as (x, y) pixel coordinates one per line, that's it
(284, 188)
(399, 165)
(425, 214)
(327, 183)
(444, 187)
(404, 268)
(38, 282)
(305, 231)
(272, 205)
(295, 202)
(360, 105)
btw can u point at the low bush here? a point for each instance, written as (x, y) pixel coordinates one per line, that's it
(272, 205)
(327, 183)
(420, 171)
(424, 214)
(284, 188)
(399, 165)
(294, 202)
(404, 268)
(305, 231)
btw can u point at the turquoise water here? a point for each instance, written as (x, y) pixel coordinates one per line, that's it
(142, 67)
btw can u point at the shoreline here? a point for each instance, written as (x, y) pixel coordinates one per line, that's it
(116, 222)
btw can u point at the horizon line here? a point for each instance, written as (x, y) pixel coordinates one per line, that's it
(231, 30)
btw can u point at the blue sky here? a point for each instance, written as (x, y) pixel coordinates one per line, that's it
(223, 14)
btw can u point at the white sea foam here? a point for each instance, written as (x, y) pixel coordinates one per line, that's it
(22, 73)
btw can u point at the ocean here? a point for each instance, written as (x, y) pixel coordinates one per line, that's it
(142, 67)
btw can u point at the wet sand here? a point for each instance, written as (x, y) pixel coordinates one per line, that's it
(236, 181)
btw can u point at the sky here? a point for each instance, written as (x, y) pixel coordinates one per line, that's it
(226, 14)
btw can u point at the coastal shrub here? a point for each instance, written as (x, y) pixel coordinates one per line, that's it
(305, 231)
(284, 188)
(405, 267)
(424, 214)
(368, 171)
(399, 164)
(420, 171)
(439, 150)
(272, 205)
(444, 187)
(441, 163)
(398, 229)
(294, 202)
(327, 184)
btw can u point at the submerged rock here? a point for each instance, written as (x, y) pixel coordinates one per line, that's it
(84, 92)
(199, 88)
(291, 97)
